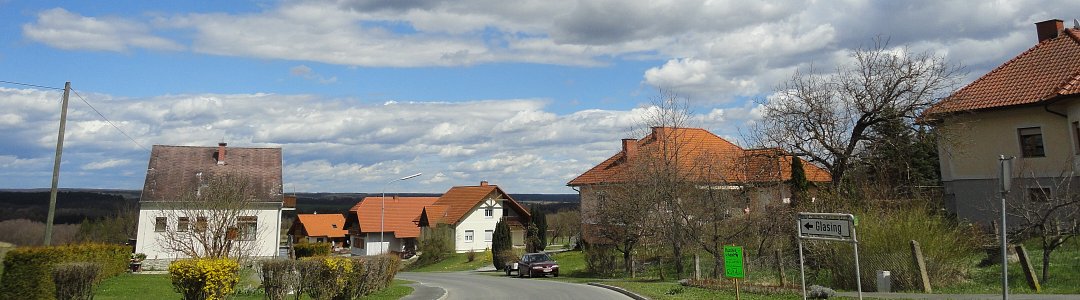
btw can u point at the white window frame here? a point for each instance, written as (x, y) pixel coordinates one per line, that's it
(469, 236)
(489, 212)
(488, 235)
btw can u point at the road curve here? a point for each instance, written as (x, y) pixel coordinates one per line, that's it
(471, 285)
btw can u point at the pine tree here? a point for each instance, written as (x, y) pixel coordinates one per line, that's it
(500, 244)
(539, 218)
(799, 184)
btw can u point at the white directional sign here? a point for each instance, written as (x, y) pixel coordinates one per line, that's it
(825, 226)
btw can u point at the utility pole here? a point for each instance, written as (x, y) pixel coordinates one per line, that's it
(56, 165)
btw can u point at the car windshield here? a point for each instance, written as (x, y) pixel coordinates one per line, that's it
(537, 257)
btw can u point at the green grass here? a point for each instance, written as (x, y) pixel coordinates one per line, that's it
(661, 290)
(157, 286)
(1064, 273)
(457, 262)
(4, 247)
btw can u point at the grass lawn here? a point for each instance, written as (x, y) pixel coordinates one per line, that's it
(1064, 273)
(4, 247)
(157, 286)
(457, 262)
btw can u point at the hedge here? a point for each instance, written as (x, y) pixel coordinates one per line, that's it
(28, 270)
(336, 278)
(206, 278)
(311, 249)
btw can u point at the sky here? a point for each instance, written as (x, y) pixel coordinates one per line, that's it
(523, 94)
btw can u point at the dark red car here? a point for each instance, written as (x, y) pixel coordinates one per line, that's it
(536, 264)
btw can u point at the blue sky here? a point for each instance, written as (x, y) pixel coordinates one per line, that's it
(524, 94)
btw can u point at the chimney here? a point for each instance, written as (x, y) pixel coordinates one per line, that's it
(483, 183)
(1049, 29)
(221, 153)
(629, 147)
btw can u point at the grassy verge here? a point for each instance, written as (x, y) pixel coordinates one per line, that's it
(4, 247)
(157, 286)
(456, 262)
(1064, 274)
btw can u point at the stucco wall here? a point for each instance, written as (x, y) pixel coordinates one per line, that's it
(972, 143)
(151, 243)
(477, 222)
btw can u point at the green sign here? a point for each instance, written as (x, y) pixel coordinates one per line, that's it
(733, 262)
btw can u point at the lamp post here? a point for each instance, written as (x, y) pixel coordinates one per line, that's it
(382, 213)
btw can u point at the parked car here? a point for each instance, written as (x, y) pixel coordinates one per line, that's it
(535, 264)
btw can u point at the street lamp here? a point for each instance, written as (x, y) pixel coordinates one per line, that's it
(382, 214)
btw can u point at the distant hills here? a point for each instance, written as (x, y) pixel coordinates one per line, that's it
(75, 205)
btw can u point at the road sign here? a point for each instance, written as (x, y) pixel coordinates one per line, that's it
(826, 226)
(733, 262)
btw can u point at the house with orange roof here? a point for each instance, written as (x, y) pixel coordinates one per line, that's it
(376, 218)
(472, 212)
(1027, 108)
(699, 156)
(316, 228)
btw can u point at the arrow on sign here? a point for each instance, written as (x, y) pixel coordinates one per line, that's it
(808, 226)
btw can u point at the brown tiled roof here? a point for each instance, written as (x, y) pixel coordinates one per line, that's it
(697, 148)
(1048, 70)
(400, 212)
(174, 171)
(433, 214)
(456, 203)
(324, 225)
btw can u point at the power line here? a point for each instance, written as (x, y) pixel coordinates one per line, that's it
(107, 121)
(33, 85)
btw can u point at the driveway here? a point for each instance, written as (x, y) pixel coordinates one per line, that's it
(471, 285)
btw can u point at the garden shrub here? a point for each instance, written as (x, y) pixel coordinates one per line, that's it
(435, 247)
(311, 249)
(600, 260)
(75, 280)
(279, 276)
(354, 281)
(501, 241)
(28, 270)
(206, 278)
(327, 277)
(885, 244)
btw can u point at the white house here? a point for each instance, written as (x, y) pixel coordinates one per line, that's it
(473, 212)
(174, 210)
(375, 232)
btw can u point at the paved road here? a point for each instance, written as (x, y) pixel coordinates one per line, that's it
(471, 285)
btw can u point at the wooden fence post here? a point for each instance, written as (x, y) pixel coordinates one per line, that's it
(920, 266)
(1029, 271)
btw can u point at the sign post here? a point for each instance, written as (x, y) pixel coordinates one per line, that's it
(827, 227)
(733, 265)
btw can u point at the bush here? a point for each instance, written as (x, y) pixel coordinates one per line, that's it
(342, 278)
(600, 260)
(435, 247)
(500, 242)
(279, 276)
(311, 249)
(75, 280)
(885, 237)
(28, 270)
(327, 277)
(207, 278)
(471, 256)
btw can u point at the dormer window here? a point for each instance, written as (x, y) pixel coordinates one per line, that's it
(333, 226)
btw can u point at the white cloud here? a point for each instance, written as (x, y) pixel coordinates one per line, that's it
(330, 144)
(62, 29)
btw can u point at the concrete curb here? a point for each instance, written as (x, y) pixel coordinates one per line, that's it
(620, 290)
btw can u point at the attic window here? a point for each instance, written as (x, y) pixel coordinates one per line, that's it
(1031, 142)
(333, 226)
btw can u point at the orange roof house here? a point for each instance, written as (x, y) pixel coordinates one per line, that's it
(698, 149)
(472, 212)
(1027, 108)
(326, 226)
(368, 223)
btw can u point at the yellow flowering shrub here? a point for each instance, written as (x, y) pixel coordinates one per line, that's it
(209, 279)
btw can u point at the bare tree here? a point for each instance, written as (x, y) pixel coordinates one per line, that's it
(565, 223)
(214, 220)
(622, 219)
(1047, 210)
(712, 217)
(827, 117)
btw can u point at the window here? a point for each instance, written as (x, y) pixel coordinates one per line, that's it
(1038, 194)
(247, 226)
(200, 224)
(358, 243)
(468, 236)
(159, 224)
(1076, 135)
(319, 240)
(489, 212)
(333, 226)
(488, 234)
(1031, 142)
(182, 224)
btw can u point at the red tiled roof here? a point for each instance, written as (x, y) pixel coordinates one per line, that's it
(696, 148)
(400, 212)
(460, 200)
(433, 213)
(174, 171)
(325, 225)
(1048, 70)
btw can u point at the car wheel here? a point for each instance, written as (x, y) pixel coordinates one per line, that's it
(521, 274)
(556, 274)
(507, 271)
